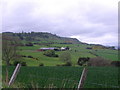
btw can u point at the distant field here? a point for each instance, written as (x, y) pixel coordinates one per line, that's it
(108, 54)
(77, 50)
(64, 77)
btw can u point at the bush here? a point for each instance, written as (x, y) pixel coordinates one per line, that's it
(83, 60)
(55, 55)
(115, 63)
(50, 53)
(29, 44)
(15, 63)
(41, 64)
(30, 56)
(58, 65)
(65, 57)
(22, 63)
(67, 64)
(98, 61)
(23, 56)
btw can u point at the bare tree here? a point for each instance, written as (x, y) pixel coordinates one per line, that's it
(9, 50)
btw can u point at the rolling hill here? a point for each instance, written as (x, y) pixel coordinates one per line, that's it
(42, 37)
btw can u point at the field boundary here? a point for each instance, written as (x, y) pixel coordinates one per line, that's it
(14, 75)
(82, 79)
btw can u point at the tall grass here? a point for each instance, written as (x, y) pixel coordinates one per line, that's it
(42, 77)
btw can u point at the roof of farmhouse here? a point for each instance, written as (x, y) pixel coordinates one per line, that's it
(48, 48)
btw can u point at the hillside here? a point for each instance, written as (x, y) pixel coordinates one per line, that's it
(43, 37)
(30, 43)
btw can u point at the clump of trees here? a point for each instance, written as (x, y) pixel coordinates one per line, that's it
(29, 44)
(83, 61)
(66, 57)
(50, 53)
(115, 63)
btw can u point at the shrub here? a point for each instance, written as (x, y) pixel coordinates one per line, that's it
(58, 65)
(55, 55)
(22, 63)
(41, 64)
(30, 56)
(15, 63)
(115, 63)
(29, 44)
(82, 60)
(67, 64)
(50, 53)
(65, 57)
(98, 61)
(23, 56)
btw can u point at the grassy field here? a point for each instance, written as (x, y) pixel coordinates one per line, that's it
(77, 50)
(46, 77)
(107, 54)
(102, 77)
(64, 77)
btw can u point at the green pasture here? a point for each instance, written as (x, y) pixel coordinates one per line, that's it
(45, 77)
(76, 52)
(63, 77)
(108, 54)
(102, 77)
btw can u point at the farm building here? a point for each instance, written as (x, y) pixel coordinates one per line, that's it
(44, 49)
(63, 48)
(53, 48)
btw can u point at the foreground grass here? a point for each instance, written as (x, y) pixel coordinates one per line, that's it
(64, 77)
(102, 77)
(45, 77)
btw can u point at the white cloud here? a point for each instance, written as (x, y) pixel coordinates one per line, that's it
(88, 20)
(104, 40)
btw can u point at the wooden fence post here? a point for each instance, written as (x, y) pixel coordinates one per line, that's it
(82, 79)
(14, 74)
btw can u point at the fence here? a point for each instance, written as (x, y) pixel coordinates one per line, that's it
(14, 74)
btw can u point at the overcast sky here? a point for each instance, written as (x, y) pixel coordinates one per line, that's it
(90, 21)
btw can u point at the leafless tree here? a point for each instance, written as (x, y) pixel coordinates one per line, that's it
(9, 50)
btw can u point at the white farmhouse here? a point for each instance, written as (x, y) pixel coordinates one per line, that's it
(63, 48)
